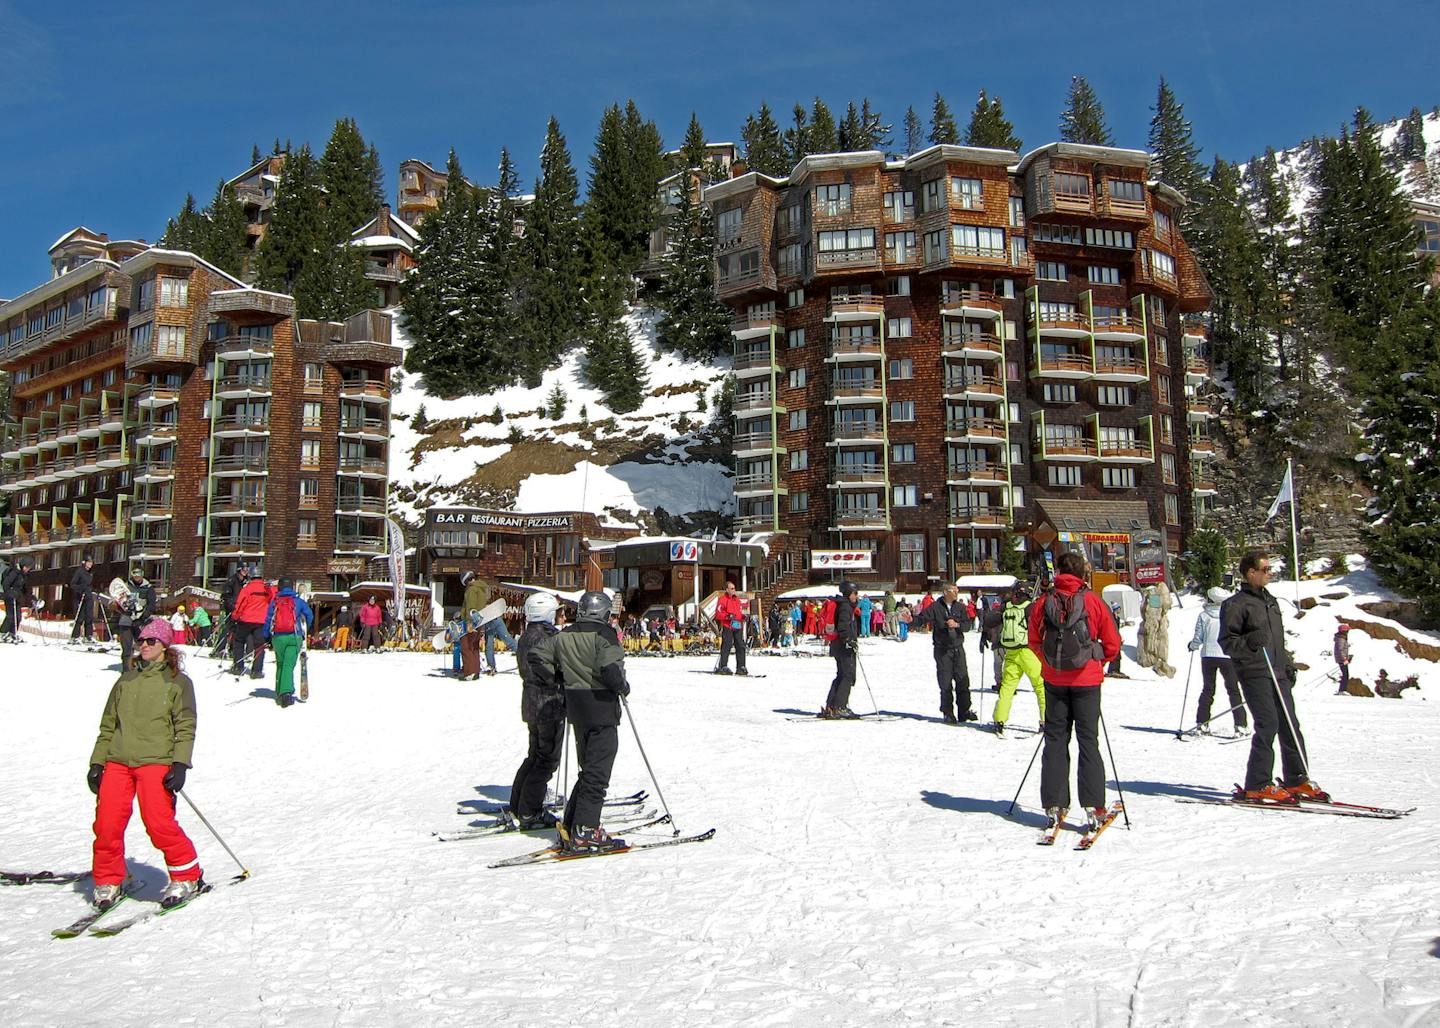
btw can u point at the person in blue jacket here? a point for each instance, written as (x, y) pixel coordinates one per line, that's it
(287, 621)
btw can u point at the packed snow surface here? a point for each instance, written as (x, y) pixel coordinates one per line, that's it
(861, 873)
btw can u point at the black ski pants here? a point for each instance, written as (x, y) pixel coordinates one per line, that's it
(595, 718)
(844, 677)
(1209, 667)
(84, 618)
(954, 679)
(527, 794)
(732, 637)
(244, 638)
(1270, 721)
(1070, 707)
(12, 614)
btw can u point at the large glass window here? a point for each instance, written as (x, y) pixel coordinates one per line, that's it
(978, 241)
(833, 199)
(1126, 189)
(847, 239)
(899, 206)
(912, 552)
(727, 225)
(967, 193)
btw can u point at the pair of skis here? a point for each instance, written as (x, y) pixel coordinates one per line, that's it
(555, 855)
(1089, 834)
(99, 924)
(474, 808)
(1304, 805)
(507, 825)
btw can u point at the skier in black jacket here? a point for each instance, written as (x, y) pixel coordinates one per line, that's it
(82, 584)
(233, 585)
(134, 613)
(16, 584)
(844, 648)
(542, 709)
(1253, 637)
(949, 619)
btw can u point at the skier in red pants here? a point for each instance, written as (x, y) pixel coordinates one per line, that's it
(147, 733)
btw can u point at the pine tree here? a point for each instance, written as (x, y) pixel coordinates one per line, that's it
(764, 149)
(185, 231)
(1171, 142)
(1408, 145)
(297, 230)
(693, 153)
(625, 172)
(1083, 120)
(612, 363)
(695, 324)
(555, 403)
(824, 136)
(254, 154)
(876, 133)
(852, 132)
(942, 122)
(225, 236)
(989, 127)
(551, 260)
(350, 172)
(914, 132)
(797, 138)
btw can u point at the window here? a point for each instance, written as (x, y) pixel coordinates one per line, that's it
(314, 375)
(934, 199)
(1167, 468)
(309, 492)
(310, 452)
(1064, 474)
(1113, 238)
(797, 378)
(794, 298)
(900, 247)
(900, 284)
(799, 419)
(799, 460)
(934, 247)
(1059, 392)
(1050, 271)
(905, 496)
(1162, 265)
(791, 218)
(902, 410)
(967, 193)
(1162, 383)
(1067, 234)
(1114, 396)
(790, 260)
(141, 335)
(898, 327)
(306, 532)
(1017, 212)
(978, 241)
(311, 414)
(1012, 370)
(1157, 309)
(1017, 496)
(727, 226)
(903, 367)
(1162, 224)
(1067, 184)
(1167, 429)
(847, 239)
(1172, 509)
(1162, 350)
(1126, 189)
(912, 552)
(1102, 276)
(902, 453)
(795, 338)
(174, 292)
(800, 500)
(1013, 413)
(833, 199)
(899, 206)
(88, 385)
(1117, 478)
(147, 295)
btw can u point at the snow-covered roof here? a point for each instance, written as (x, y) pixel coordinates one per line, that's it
(155, 255)
(950, 152)
(985, 582)
(56, 285)
(381, 243)
(1103, 154)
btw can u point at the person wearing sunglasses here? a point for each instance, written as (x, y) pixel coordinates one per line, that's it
(147, 735)
(1252, 635)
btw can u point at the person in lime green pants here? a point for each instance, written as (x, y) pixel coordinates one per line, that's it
(286, 624)
(1019, 658)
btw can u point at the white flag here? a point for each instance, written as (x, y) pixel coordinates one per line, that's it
(1287, 494)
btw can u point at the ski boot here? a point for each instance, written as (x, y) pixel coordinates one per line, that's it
(1094, 816)
(1308, 790)
(722, 670)
(948, 716)
(534, 822)
(844, 714)
(179, 893)
(105, 896)
(591, 840)
(1268, 794)
(999, 728)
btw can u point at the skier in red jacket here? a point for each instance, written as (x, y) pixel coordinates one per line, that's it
(249, 620)
(730, 616)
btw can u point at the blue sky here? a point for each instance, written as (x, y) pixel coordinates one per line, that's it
(110, 113)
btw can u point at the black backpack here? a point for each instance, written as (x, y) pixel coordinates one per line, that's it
(1066, 640)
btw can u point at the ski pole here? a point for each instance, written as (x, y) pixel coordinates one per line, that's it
(658, 791)
(1106, 732)
(867, 682)
(244, 871)
(982, 686)
(1185, 700)
(1280, 699)
(1038, 743)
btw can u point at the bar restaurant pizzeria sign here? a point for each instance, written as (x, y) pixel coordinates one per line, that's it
(499, 519)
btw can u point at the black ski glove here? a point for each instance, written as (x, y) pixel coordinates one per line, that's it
(93, 776)
(853, 645)
(175, 780)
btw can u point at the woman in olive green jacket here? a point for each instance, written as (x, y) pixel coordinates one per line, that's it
(147, 735)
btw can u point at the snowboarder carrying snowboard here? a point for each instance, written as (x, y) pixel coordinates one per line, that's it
(478, 594)
(287, 621)
(542, 708)
(147, 735)
(588, 660)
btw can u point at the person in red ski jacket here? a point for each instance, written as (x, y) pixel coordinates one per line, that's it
(730, 616)
(249, 620)
(371, 617)
(1081, 643)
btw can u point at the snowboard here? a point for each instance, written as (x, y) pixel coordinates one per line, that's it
(304, 674)
(488, 613)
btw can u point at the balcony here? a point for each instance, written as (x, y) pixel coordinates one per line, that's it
(363, 505)
(748, 443)
(364, 467)
(972, 516)
(753, 326)
(369, 389)
(363, 544)
(252, 301)
(383, 271)
(1069, 449)
(238, 464)
(104, 457)
(758, 401)
(151, 510)
(755, 523)
(844, 351)
(867, 392)
(154, 470)
(861, 517)
(856, 475)
(227, 505)
(757, 483)
(242, 425)
(976, 472)
(232, 386)
(1075, 367)
(1201, 444)
(1117, 207)
(153, 396)
(959, 257)
(857, 433)
(975, 430)
(869, 308)
(1066, 325)
(1201, 484)
(752, 363)
(760, 276)
(1120, 369)
(989, 388)
(1198, 409)
(1073, 203)
(365, 428)
(244, 347)
(1126, 451)
(156, 433)
(1120, 329)
(831, 261)
(150, 547)
(1196, 330)
(972, 304)
(978, 346)
(1197, 369)
(237, 546)
(140, 356)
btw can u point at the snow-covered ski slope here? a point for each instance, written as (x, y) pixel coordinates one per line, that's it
(862, 873)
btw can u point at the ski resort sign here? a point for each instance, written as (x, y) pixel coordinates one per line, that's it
(841, 560)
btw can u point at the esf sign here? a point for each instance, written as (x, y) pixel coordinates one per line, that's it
(685, 552)
(831, 560)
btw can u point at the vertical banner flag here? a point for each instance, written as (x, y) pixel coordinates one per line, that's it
(1287, 494)
(396, 540)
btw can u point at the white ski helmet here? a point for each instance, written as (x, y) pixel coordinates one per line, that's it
(541, 607)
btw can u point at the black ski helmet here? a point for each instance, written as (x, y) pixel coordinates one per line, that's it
(593, 606)
(847, 587)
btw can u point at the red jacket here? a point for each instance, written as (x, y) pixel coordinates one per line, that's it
(253, 601)
(1102, 628)
(372, 614)
(729, 609)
